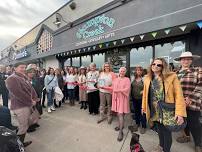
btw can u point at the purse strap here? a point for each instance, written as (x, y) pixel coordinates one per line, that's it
(50, 81)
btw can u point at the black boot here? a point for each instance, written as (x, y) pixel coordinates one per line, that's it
(85, 105)
(55, 104)
(22, 138)
(82, 105)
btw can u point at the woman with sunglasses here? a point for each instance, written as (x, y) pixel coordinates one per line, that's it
(160, 84)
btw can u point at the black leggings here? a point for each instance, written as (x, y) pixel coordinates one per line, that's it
(165, 137)
(94, 102)
(194, 126)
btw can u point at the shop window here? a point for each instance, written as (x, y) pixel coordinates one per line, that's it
(85, 60)
(45, 42)
(99, 60)
(169, 51)
(67, 62)
(141, 56)
(76, 62)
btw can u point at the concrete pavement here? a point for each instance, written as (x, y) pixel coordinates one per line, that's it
(70, 129)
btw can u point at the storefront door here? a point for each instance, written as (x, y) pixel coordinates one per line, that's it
(118, 58)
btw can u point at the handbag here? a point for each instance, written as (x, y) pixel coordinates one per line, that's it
(167, 115)
(34, 117)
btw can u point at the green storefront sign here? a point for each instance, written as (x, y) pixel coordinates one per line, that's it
(95, 26)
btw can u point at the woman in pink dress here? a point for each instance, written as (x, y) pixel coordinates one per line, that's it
(120, 99)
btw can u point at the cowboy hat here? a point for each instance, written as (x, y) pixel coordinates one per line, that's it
(187, 55)
(82, 67)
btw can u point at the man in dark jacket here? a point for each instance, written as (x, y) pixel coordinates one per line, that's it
(3, 89)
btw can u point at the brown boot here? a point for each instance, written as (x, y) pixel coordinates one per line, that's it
(142, 130)
(22, 138)
(183, 139)
(157, 149)
(198, 149)
(120, 136)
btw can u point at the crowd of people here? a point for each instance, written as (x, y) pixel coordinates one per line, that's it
(107, 94)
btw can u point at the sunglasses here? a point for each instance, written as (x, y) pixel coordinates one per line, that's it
(158, 65)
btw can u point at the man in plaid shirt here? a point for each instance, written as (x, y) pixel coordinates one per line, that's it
(191, 82)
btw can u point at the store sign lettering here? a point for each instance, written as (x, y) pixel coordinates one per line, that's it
(95, 27)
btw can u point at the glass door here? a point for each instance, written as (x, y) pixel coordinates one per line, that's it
(118, 58)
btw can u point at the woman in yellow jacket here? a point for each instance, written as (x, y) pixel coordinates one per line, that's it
(159, 80)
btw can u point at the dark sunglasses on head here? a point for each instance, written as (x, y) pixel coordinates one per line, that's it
(158, 65)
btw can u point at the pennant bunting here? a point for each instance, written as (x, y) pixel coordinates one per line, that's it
(199, 23)
(114, 43)
(79, 50)
(61, 54)
(122, 41)
(94, 47)
(141, 37)
(84, 49)
(107, 44)
(154, 34)
(183, 27)
(132, 39)
(100, 45)
(89, 48)
(167, 31)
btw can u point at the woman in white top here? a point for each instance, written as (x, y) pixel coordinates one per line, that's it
(92, 91)
(82, 91)
(105, 80)
(71, 81)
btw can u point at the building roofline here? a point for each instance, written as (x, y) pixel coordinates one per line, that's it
(38, 24)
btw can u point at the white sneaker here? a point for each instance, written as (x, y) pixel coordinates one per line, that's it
(52, 108)
(49, 110)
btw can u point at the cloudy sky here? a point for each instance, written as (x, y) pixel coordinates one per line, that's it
(18, 16)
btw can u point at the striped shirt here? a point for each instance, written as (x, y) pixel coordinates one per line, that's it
(191, 82)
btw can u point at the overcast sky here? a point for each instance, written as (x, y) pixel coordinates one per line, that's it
(19, 16)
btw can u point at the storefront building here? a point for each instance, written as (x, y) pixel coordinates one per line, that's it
(122, 32)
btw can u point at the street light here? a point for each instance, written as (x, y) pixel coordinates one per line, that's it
(59, 19)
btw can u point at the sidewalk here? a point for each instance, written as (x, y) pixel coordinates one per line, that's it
(70, 129)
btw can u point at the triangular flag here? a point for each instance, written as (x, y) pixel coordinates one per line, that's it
(84, 49)
(122, 41)
(114, 42)
(89, 48)
(141, 37)
(100, 45)
(75, 51)
(79, 50)
(199, 23)
(132, 39)
(154, 34)
(183, 27)
(167, 31)
(94, 47)
(61, 54)
(107, 44)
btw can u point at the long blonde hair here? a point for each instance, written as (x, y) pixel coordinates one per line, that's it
(165, 69)
(103, 67)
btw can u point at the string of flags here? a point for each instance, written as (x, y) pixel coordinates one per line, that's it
(131, 39)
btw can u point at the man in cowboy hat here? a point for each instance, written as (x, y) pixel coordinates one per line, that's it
(191, 81)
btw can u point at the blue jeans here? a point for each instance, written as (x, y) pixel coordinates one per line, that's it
(50, 95)
(71, 94)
